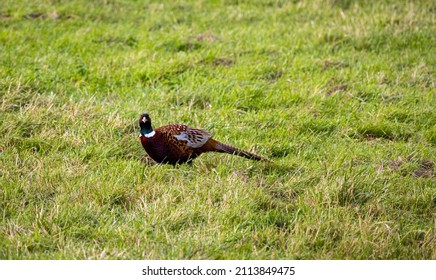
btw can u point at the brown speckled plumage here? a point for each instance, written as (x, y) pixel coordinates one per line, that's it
(178, 143)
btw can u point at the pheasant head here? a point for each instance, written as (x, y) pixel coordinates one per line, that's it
(145, 124)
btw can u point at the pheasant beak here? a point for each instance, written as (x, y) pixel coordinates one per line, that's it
(144, 119)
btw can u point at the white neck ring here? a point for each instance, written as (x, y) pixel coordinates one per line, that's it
(151, 134)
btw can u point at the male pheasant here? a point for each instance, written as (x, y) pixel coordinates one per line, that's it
(178, 143)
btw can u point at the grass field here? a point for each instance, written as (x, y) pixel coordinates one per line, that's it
(339, 94)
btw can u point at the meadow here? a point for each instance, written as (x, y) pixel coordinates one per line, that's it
(338, 94)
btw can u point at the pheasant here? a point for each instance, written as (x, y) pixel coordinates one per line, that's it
(178, 143)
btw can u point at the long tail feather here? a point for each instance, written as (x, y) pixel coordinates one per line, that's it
(224, 148)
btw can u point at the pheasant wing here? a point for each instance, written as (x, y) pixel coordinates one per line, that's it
(194, 138)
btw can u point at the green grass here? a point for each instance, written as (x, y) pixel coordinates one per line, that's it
(339, 94)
